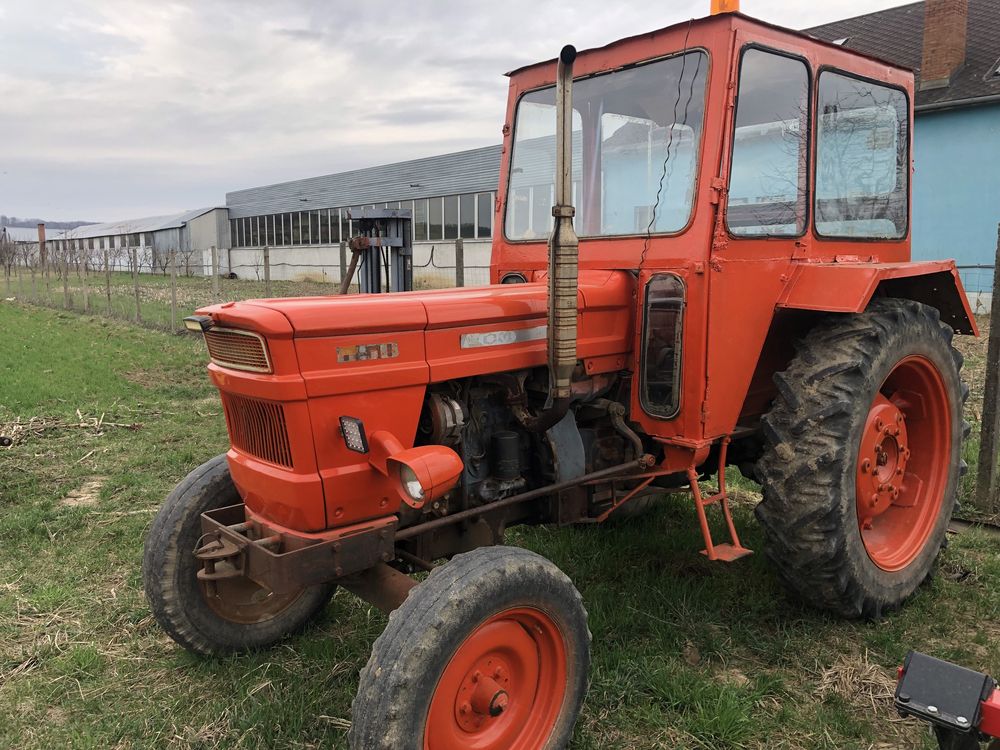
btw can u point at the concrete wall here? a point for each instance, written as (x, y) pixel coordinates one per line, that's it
(433, 263)
(956, 192)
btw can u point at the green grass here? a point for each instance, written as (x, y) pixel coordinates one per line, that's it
(154, 293)
(686, 653)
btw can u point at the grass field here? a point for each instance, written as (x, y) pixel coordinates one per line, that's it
(107, 417)
(90, 293)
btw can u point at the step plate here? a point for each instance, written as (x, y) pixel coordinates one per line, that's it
(728, 553)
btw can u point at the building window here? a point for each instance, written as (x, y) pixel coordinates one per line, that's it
(484, 221)
(451, 217)
(296, 234)
(313, 227)
(768, 177)
(467, 215)
(862, 159)
(324, 227)
(435, 209)
(282, 229)
(420, 220)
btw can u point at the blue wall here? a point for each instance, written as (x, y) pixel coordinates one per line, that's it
(956, 189)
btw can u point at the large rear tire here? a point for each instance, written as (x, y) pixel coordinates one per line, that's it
(229, 616)
(863, 457)
(491, 651)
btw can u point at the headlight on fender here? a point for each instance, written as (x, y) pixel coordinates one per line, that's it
(425, 473)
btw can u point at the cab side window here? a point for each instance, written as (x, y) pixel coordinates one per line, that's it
(862, 158)
(768, 179)
(661, 347)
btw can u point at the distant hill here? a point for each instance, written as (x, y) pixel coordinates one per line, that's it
(13, 221)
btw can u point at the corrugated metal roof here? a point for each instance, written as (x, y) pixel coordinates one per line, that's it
(897, 34)
(20, 234)
(129, 226)
(448, 174)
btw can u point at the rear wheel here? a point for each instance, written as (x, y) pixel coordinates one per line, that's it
(863, 457)
(229, 615)
(490, 652)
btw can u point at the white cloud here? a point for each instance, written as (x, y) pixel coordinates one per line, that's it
(122, 107)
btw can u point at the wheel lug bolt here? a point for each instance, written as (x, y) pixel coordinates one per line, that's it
(466, 707)
(899, 471)
(866, 465)
(878, 425)
(497, 672)
(899, 419)
(874, 500)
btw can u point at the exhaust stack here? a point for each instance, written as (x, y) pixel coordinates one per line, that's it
(563, 247)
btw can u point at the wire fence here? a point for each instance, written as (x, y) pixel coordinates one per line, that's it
(978, 283)
(158, 291)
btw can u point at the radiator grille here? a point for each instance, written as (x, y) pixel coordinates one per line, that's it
(258, 428)
(239, 350)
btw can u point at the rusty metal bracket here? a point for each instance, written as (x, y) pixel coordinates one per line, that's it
(284, 562)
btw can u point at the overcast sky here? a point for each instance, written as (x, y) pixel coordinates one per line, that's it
(116, 109)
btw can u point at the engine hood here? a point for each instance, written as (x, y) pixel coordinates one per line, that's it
(304, 317)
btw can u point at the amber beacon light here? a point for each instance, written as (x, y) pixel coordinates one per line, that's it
(725, 6)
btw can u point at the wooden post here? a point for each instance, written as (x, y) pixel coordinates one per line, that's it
(343, 261)
(267, 271)
(986, 479)
(459, 262)
(215, 274)
(67, 302)
(107, 278)
(135, 283)
(173, 290)
(86, 290)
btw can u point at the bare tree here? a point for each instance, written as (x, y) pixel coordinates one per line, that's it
(8, 258)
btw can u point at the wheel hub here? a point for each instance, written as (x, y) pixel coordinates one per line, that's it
(503, 687)
(484, 694)
(883, 456)
(903, 461)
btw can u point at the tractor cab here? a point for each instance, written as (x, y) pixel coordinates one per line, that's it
(730, 168)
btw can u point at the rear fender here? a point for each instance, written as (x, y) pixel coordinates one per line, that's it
(849, 287)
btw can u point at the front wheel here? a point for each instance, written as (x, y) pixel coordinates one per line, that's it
(220, 617)
(863, 457)
(490, 652)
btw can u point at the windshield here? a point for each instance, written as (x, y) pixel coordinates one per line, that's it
(636, 134)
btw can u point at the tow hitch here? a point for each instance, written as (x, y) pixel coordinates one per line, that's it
(962, 706)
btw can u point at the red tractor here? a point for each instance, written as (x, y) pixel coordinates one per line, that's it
(702, 259)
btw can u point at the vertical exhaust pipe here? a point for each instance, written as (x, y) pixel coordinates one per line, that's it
(563, 255)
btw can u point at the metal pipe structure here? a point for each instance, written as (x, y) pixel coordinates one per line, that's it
(641, 463)
(563, 255)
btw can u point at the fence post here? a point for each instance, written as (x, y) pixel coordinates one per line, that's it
(459, 262)
(267, 271)
(173, 291)
(107, 278)
(135, 283)
(67, 303)
(986, 479)
(215, 274)
(86, 290)
(343, 261)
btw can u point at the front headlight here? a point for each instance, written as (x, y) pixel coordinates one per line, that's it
(410, 483)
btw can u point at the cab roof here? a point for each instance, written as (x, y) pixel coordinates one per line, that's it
(733, 20)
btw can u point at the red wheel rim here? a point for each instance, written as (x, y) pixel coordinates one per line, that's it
(503, 688)
(904, 461)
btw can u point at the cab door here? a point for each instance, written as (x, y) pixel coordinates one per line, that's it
(763, 217)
